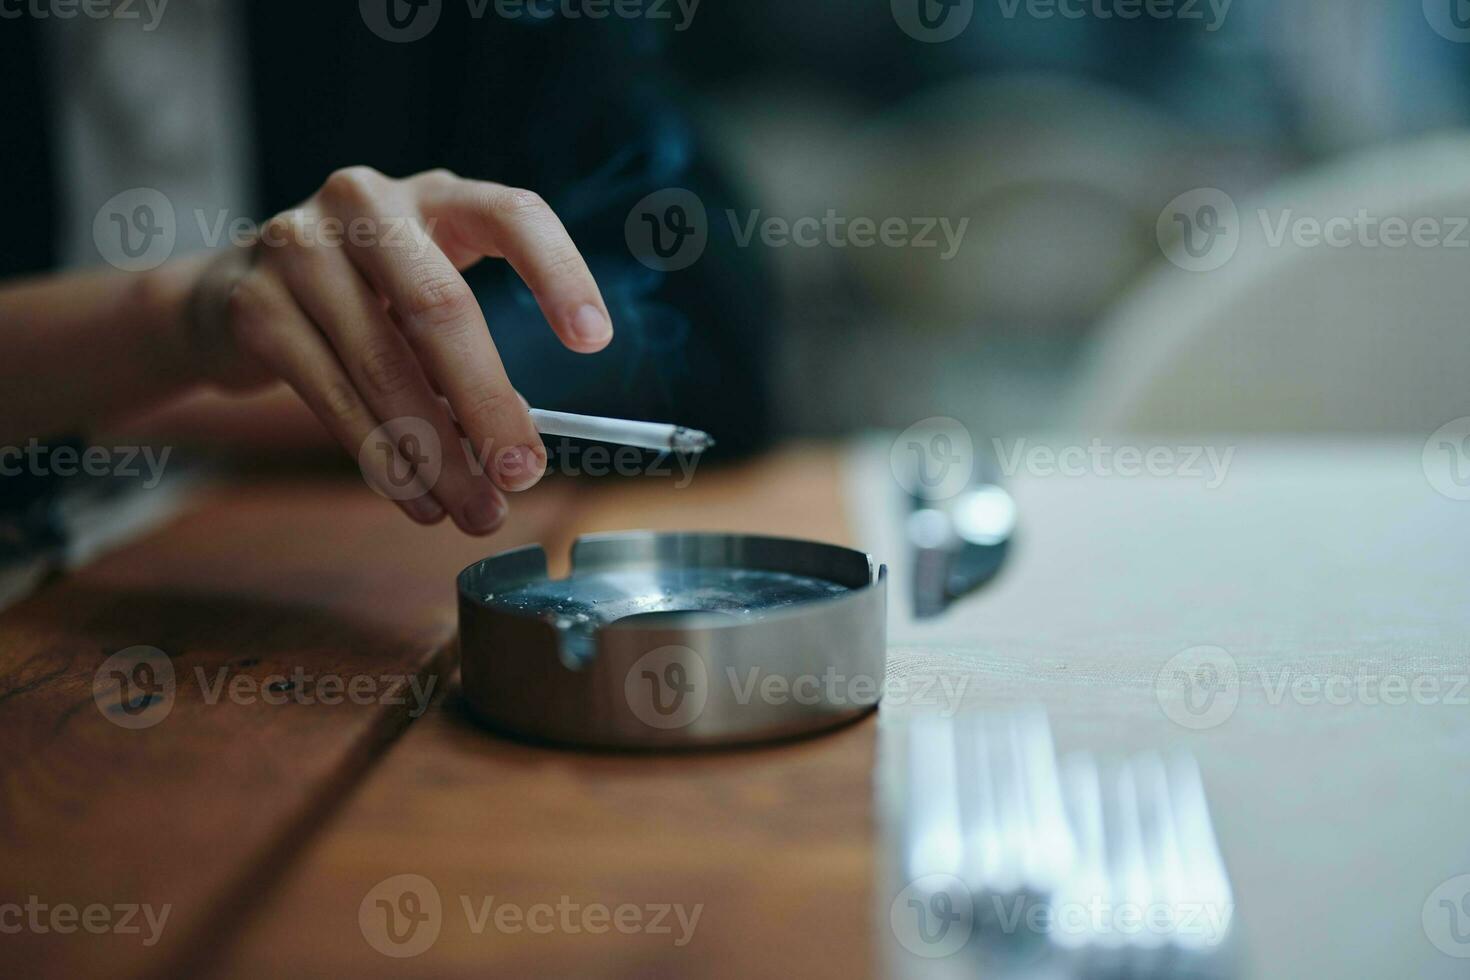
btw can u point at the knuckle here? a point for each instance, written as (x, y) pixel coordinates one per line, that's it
(488, 402)
(352, 185)
(385, 369)
(440, 299)
(250, 309)
(563, 261)
(454, 343)
(284, 229)
(340, 401)
(458, 342)
(516, 203)
(439, 176)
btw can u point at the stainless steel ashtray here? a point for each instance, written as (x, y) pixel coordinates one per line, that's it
(673, 640)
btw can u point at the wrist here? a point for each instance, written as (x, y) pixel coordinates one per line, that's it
(160, 303)
(180, 305)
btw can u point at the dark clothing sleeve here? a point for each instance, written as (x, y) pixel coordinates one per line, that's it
(585, 112)
(588, 114)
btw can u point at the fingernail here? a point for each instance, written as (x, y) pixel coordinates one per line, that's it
(425, 509)
(520, 467)
(590, 326)
(484, 513)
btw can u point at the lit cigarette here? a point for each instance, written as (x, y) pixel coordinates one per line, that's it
(644, 435)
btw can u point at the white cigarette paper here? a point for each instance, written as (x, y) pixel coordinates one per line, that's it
(644, 435)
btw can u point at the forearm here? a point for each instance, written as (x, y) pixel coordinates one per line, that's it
(355, 299)
(78, 349)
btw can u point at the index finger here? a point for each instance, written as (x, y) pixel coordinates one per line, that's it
(479, 218)
(441, 318)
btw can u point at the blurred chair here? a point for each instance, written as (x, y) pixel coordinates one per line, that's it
(1056, 178)
(1290, 337)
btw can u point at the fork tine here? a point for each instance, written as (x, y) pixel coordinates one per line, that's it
(934, 837)
(1123, 853)
(1051, 850)
(1145, 849)
(1208, 884)
(1082, 794)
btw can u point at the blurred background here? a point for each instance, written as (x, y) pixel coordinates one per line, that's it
(1116, 199)
(1062, 141)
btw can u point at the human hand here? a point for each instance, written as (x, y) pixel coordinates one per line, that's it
(355, 298)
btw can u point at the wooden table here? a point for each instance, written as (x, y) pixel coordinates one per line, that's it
(266, 828)
(263, 827)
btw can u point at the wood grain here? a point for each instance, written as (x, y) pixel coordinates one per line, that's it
(774, 845)
(200, 810)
